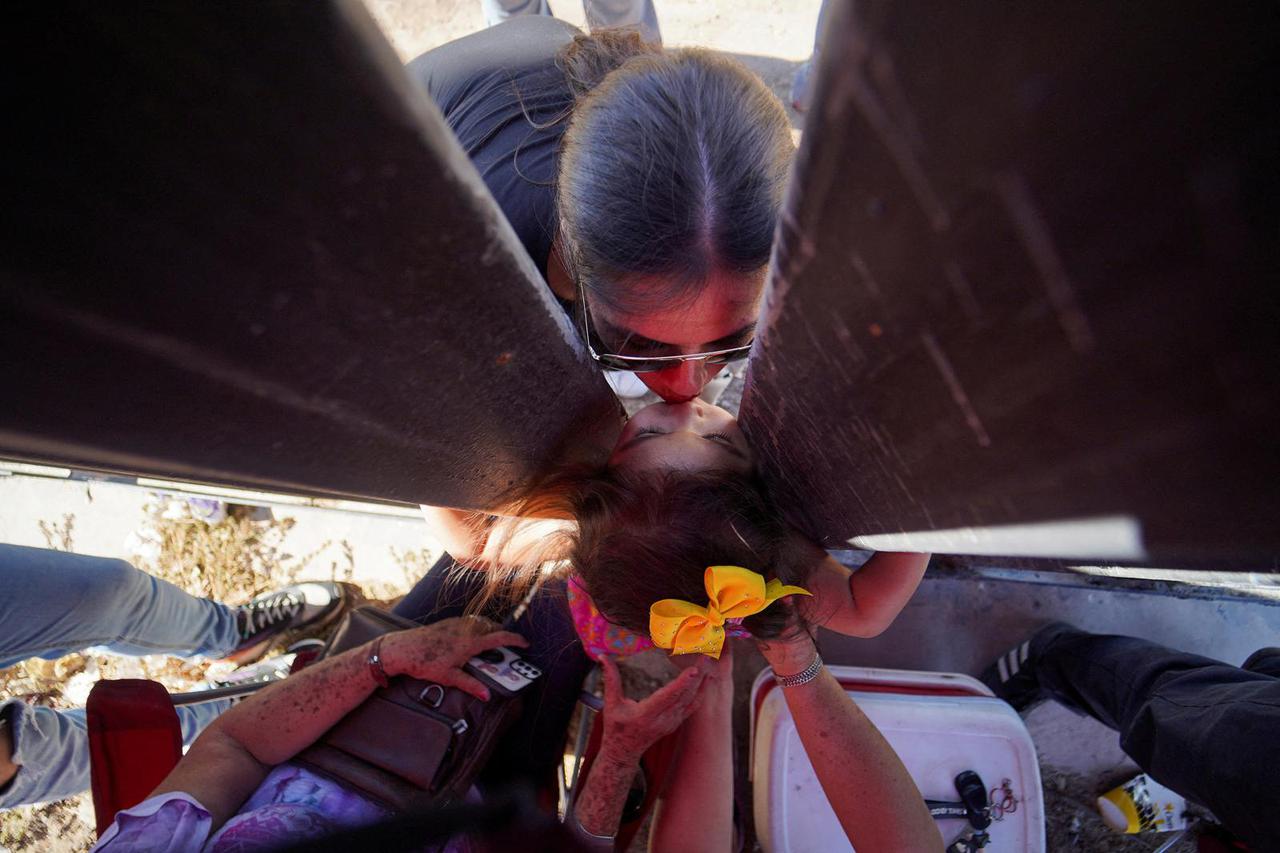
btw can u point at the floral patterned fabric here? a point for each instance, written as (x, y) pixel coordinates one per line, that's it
(290, 805)
(599, 636)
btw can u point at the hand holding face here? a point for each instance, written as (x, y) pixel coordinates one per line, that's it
(437, 652)
(631, 727)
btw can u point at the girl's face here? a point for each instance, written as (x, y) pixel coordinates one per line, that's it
(693, 436)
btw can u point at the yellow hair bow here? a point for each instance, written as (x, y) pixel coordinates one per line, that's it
(732, 592)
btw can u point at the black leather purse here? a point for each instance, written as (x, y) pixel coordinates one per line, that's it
(412, 744)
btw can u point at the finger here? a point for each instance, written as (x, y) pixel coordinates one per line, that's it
(476, 624)
(671, 718)
(495, 639)
(680, 707)
(466, 683)
(612, 682)
(723, 668)
(682, 687)
(706, 666)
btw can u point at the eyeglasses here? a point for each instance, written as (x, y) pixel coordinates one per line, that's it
(651, 364)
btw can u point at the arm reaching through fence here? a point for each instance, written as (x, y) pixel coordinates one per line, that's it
(878, 805)
(861, 603)
(630, 728)
(232, 758)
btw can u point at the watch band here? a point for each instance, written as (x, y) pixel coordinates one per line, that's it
(804, 676)
(375, 664)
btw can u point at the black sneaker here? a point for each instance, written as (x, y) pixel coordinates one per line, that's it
(268, 669)
(1013, 675)
(306, 605)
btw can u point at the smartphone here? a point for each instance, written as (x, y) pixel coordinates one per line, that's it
(503, 670)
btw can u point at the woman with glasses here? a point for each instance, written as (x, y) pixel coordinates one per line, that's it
(645, 184)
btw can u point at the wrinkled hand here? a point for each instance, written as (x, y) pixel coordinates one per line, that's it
(631, 727)
(437, 652)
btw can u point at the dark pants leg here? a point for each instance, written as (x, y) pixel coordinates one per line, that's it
(1206, 729)
(532, 749)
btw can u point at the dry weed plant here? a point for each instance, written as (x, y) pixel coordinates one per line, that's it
(232, 560)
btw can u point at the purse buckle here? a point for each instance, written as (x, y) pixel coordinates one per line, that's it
(432, 694)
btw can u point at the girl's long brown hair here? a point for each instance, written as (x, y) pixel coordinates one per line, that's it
(642, 537)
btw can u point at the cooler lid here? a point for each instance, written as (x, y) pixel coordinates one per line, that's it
(938, 723)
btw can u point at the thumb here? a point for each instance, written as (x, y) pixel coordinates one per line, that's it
(612, 682)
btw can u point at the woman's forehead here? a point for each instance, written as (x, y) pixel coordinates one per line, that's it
(721, 309)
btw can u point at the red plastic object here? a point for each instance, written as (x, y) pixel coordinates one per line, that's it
(134, 741)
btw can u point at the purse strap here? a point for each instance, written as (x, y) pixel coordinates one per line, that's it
(363, 624)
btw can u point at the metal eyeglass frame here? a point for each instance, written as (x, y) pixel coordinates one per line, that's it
(652, 364)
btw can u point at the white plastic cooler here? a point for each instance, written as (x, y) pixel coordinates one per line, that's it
(939, 723)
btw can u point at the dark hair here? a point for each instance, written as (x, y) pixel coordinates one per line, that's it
(673, 164)
(645, 537)
(642, 537)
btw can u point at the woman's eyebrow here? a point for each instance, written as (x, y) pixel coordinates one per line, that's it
(626, 336)
(733, 338)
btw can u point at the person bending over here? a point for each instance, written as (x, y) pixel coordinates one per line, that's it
(644, 183)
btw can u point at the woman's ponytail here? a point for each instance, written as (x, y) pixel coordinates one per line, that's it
(589, 58)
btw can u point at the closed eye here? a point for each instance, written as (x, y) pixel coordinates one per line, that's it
(718, 438)
(639, 436)
(726, 442)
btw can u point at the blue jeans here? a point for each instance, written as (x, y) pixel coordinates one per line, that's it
(55, 603)
(600, 13)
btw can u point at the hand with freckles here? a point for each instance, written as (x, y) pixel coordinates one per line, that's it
(234, 754)
(437, 652)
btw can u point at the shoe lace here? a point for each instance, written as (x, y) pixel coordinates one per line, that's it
(281, 607)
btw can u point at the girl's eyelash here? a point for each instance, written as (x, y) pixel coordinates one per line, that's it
(719, 435)
(648, 431)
